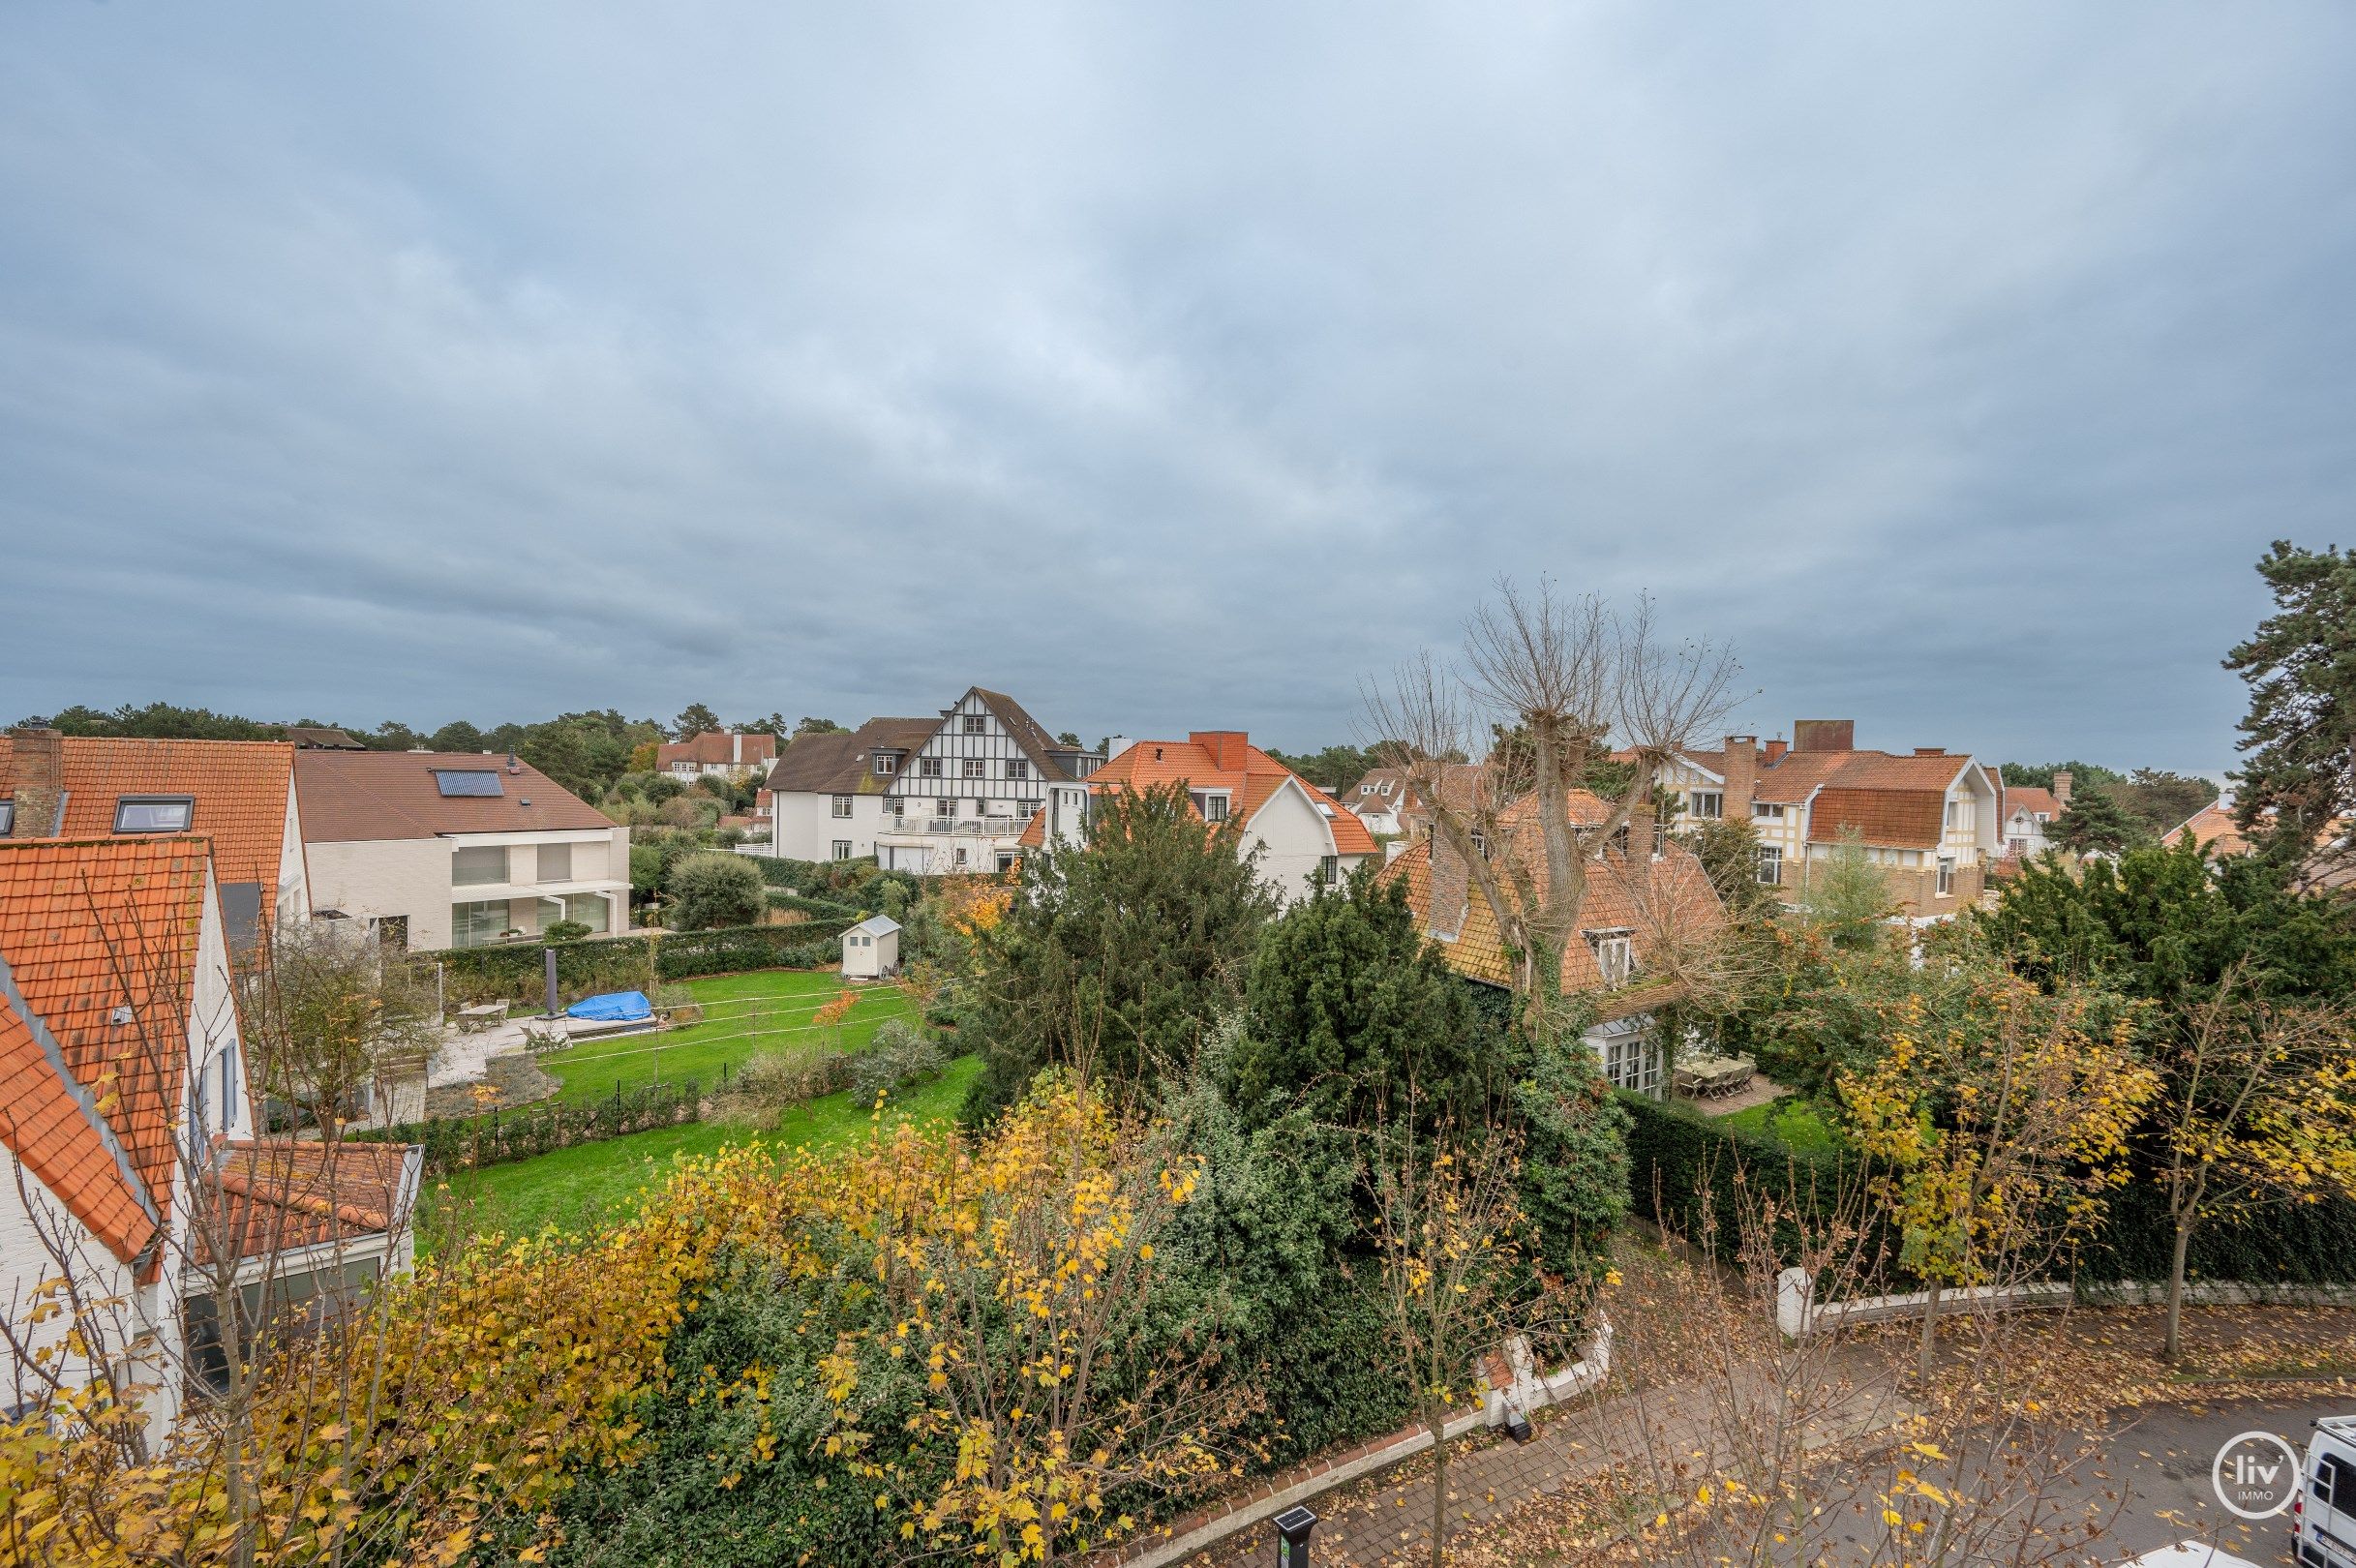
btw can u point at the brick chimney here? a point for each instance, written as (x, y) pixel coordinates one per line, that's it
(1451, 887)
(1741, 775)
(1824, 735)
(39, 797)
(1225, 747)
(1930, 751)
(1644, 832)
(1775, 750)
(2061, 787)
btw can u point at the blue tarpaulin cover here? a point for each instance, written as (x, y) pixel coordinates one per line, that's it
(613, 1005)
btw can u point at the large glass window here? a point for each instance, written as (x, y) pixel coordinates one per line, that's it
(589, 909)
(474, 925)
(1710, 805)
(1633, 1062)
(555, 863)
(153, 814)
(478, 864)
(1770, 865)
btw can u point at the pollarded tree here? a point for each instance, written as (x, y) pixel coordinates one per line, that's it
(1116, 957)
(1348, 1003)
(1564, 676)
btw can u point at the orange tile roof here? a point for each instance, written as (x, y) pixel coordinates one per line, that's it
(283, 1193)
(2029, 798)
(57, 1130)
(1672, 889)
(239, 789)
(1250, 777)
(1910, 819)
(717, 749)
(88, 927)
(2212, 828)
(353, 796)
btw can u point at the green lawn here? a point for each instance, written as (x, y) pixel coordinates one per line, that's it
(594, 1182)
(769, 1009)
(1792, 1123)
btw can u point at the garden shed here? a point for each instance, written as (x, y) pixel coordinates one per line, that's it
(871, 949)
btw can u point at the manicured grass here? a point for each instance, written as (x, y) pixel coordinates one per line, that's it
(769, 1010)
(1792, 1123)
(592, 1183)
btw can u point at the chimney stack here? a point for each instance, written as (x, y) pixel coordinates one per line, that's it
(1824, 735)
(1228, 748)
(2061, 788)
(1644, 836)
(1741, 775)
(40, 800)
(736, 747)
(1775, 750)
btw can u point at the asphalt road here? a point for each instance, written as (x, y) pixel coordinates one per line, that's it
(2159, 1465)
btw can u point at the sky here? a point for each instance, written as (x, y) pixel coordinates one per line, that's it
(1168, 366)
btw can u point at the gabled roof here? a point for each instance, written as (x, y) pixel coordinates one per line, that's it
(877, 925)
(1028, 732)
(238, 789)
(1250, 776)
(2029, 798)
(835, 764)
(322, 737)
(90, 932)
(2213, 829)
(356, 796)
(1620, 898)
(717, 749)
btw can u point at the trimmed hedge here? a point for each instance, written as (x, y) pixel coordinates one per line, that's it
(1682, 1169)
(501, 1136)
(632, 963)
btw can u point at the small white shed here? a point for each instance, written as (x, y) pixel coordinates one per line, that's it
(871, 949)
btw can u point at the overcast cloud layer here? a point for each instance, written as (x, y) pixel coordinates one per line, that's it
(1167, 365)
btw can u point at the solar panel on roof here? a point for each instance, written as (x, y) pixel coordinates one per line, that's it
(467, 781)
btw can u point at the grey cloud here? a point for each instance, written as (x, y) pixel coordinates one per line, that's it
(1166, 366)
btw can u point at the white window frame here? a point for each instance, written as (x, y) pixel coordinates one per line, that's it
(886, 765)
(1215, 804)
(945, 806)
(1947, 876)
(928, 768)
(976, 724)
(1706, 806)
(975, 768)
(1633, 1062)
(1019, 767)
(842, 849)
(1770, 865)
(1767, 810)
(1614, 954)
(840, 806)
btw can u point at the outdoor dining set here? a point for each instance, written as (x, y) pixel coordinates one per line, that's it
(1714, 1078)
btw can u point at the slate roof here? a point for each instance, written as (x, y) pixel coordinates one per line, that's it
(354, 796)
(841, 763)
(1027, 732)
(88, 928)
(238, 789)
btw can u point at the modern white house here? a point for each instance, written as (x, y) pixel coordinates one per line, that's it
(1385, 800)
(1301, 836)
(456, 849)
(871, 949)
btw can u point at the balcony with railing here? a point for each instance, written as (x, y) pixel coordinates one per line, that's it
(1007, 827)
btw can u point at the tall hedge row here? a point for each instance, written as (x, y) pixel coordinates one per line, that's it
(631, 963)
(1683, 1169)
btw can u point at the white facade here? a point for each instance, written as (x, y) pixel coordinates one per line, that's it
(871, 949)
(470, 889)
(960, 802)
(1295, 845)
(810, 826)
(138, 1316)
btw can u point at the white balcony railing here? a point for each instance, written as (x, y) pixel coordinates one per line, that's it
(975, 827)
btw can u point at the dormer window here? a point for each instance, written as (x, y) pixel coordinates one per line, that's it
(154, 813)
(1213, 804)
(887, 764)
(1614, 954)
(1386, 785)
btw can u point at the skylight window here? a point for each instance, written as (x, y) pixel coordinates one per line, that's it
(154, 813)
(459, 783)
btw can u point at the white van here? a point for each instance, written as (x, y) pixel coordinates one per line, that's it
(2324, 1519)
